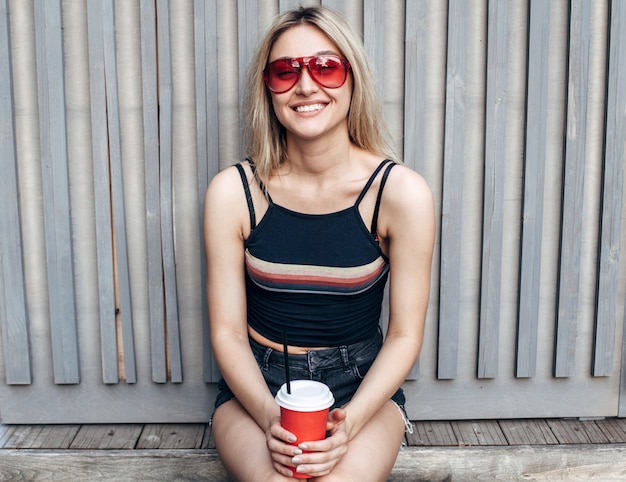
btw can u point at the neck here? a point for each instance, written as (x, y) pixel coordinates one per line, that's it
(317, 157)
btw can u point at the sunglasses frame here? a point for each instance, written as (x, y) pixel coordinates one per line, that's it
(305, 61)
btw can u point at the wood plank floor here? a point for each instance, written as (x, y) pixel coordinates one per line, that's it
(482, 433)
(450, 451)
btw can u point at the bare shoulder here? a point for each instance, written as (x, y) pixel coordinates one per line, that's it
(407, 204)
(405, 187)
(223, 186)
(225, 202)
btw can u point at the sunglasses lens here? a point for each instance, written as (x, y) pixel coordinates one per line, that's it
(328, 70)
(281, 75)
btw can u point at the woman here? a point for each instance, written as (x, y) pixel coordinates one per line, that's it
(301, 239)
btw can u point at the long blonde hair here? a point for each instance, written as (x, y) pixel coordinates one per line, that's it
(266, 137)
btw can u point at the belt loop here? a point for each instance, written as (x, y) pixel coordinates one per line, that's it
(345, 358)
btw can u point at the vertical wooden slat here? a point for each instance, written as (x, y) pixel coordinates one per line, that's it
(55, 181)
(247, 36)
(13, 310)
(493, 209)
(534, 168)
(451, 210)
(284, 5)
(117, 192)
(414, 94)
(334, 4)
(415, 85)
(207, 125)
(569, 276)
(102, 193)
(374, 39)
(167, 195)
(156, 300)
(607, 314)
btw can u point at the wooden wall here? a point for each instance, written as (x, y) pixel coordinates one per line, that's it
(114, 117)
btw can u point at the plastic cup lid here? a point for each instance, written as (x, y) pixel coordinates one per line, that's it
(306, 396)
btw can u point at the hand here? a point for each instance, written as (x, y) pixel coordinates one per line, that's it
(318, 458)
(280, 444)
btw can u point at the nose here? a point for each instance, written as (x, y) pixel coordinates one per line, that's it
(306, 84)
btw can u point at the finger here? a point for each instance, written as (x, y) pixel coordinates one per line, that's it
(282, 470)
(338, 415)
(335, 418)
(277, 431)
(278, 446)
(284, 460)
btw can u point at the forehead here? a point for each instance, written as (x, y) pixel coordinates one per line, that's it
(302, 41)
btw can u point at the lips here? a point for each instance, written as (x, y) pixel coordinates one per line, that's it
(308, 108)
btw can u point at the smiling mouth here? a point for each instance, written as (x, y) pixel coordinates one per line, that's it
(309, 108)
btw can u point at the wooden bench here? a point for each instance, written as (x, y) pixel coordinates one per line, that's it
(437, 451)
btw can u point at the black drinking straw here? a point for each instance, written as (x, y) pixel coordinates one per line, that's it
(286, 362)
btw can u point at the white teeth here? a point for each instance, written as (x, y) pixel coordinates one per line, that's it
(309, 108)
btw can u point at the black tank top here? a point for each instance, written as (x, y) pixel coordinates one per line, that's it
(317, 277)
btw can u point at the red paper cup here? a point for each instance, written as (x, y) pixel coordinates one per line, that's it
(304, 412)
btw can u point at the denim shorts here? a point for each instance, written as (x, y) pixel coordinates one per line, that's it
(342, 368)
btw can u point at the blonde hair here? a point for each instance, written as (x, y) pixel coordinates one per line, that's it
(266, 137)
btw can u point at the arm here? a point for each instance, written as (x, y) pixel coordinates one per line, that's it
(407, 228)
(226, 224)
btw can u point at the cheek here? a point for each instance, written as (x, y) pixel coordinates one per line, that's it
(279, 108)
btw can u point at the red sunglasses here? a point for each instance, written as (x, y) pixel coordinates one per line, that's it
(329, 71)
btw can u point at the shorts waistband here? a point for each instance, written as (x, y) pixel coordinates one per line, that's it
(325, 358)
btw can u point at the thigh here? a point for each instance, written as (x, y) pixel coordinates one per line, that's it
(372, 453)
(241, 444)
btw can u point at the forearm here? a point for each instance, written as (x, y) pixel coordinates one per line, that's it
(388, 372)
(241, 372)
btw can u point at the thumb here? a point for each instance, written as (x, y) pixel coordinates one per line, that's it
(338, 415)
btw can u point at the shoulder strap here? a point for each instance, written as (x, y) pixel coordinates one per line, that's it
(370, 181)
(379, 197)
(246, 189)
(261, 185)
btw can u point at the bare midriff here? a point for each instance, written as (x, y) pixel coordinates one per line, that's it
(292, 350)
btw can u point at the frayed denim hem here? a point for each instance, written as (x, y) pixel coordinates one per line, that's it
(408, 426)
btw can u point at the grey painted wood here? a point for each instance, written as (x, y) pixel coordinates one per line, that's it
(102, 195)
(207, 127)
(167, 194)
(334, 4)
(429, 398)
(415, 85)
(247, 36)
(534, 168)
(612, 199)
(415, 95)
(284, 5)
(374, 39)
(573, 195)
(55, 184)
(451, 209)
(117, 193)
(13, 310)
(493, 209)
(156, 295)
